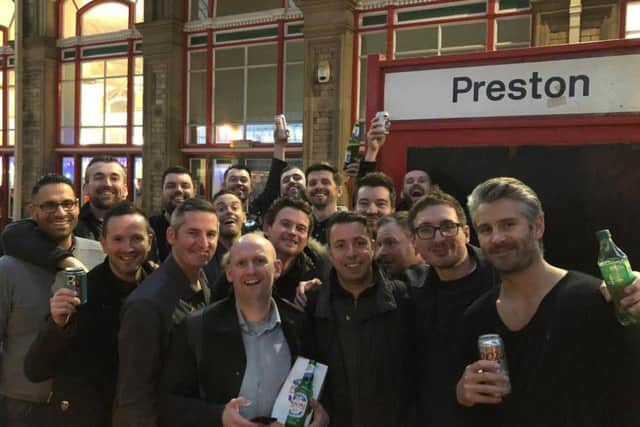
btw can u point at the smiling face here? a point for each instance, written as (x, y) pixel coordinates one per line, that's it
(127, 243)
(289, 232)
(374, 203)
(194, 243)
(105, 184)
(177, 188)
(394, 248)
(238, 181)
(292, 183)
(507, 238)
(351, 253)
(59, 224)
(322, 190)
(252, 269)
(416, 184)
(230, 214)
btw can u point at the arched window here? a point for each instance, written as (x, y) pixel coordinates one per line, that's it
(88, 17)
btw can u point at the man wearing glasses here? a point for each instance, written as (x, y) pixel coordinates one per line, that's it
(25, 289)
(459, 274)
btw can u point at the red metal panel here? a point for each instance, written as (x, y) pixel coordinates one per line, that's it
(491, 25)
(280, 69)
(209, 96)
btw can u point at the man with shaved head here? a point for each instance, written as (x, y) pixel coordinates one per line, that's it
(262, 335)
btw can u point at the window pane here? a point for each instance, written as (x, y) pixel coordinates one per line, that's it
(295, 51)
(633, 17)
(137, 137)
(116, 135)
(198, 169)
(198, 60)
(229, 57)
(514, 30)
(91, 136)
(419, 39)
(229, 132)
(229, 95)
(12, 138)
(373, 43)
(68, 168)
(66, 136)
(294, 92)
(68, 71)
(116, 105)
(464, 35)
(138, 65)
(362, 101)
(139, 11)
(262, 54)
(67, 104)
(261, 95)
(105, 18)
(117, 67)
(231, 7)
(92, 103)
(199, 9)
(197, 98)
(138, 86)
(218, 167)
(68, 19)
(91, 69)
(197, 135)
(11, 107)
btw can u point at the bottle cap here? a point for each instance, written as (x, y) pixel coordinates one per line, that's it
(603, 234)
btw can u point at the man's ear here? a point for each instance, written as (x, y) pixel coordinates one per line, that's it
(277, 268)
(171, 235)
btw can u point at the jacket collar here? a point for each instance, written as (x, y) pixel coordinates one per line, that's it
(174, 274)
(383, 288)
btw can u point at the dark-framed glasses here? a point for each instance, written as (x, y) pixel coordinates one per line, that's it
(51, 206)
(446, 228)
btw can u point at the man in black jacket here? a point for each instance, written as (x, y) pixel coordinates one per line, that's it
(77, 345)
(363, 329)
(260, 337)
(150, 313)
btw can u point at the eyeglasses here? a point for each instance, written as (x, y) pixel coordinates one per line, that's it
(446, 228)
(51, 207)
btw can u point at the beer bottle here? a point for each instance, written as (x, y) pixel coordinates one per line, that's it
(301, 400)
(353, 146)
(616, 272)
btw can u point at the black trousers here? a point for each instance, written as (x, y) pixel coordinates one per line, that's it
(20, 413)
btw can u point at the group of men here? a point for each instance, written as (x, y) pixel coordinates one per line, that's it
(193, 318)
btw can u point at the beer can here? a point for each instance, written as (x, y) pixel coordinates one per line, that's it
(76, 278)
(384, 117)
(491, 347)
(281, 125)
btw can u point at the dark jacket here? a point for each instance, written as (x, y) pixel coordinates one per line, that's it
(271, 192)
(159, 224)
(88, 226)
(200, 378)
(82, 358)
(149, 316)
(384, 346)
(24, 240)
(309, 264)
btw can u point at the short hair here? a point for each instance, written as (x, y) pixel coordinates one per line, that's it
(48, 179)
(104, 159)
(378, 179)
(324, 166)
(436, 197)
(237, 167)
(401, 218)
(346, 217)
(121, 209)
(222, 193)
(180, 170)
(194, 204)
(288, 202)
(506, 188)
(289, 168)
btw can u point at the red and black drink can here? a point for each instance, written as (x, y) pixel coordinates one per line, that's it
(491, 347)
(76, 278)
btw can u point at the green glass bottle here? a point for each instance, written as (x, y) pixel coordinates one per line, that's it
(617, 274)
(301, 400)
(352, 153)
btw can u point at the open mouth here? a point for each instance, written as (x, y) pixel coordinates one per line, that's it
(251, 282)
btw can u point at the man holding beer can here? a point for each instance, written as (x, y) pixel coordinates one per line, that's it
(570, 362)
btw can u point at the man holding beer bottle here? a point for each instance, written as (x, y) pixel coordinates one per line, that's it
(570, 362)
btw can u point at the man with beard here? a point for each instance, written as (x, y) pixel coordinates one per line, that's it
(570, 363)
(237, 179)
(287, 225)
(363, 325)
(162, 300)
(415, 184)
(77, 344)
(457, 276)
(375, 198)
(177, 186)
(106, 184)
(292, 182)
(24, 299)
(324, 188)
(395, 250)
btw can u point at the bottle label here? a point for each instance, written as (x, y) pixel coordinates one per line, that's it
(298, 406)
(617, 273)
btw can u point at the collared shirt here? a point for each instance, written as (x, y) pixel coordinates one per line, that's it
(268, 362)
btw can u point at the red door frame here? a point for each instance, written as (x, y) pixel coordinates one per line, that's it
(613, 128)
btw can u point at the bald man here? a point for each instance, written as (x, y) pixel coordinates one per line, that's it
(262, 335)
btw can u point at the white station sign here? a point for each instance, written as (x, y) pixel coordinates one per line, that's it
(604, 84)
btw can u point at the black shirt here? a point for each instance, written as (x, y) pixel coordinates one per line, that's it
(159, 224)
